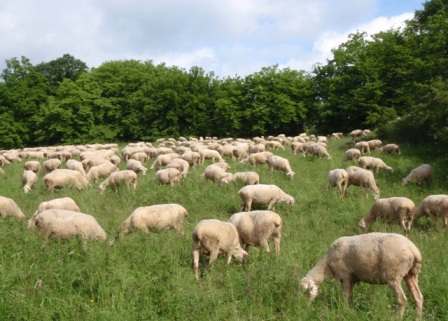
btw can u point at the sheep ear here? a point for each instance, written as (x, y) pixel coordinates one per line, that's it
(245, 253)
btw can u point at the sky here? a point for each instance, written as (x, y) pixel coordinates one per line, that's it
(229, 38)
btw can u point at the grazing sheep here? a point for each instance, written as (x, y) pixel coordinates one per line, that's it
(181, 164)
(297, 147)
(126, 177)
(337, 135)
(136, 166)
(363, 147)
(164, 159)
(159, 217)
(374, 144)
(32, 166)
(29, 179)
(419, 174)
(433, 206)
(140, 156)
(257, 158)
(216, 173)
(240, 151)
(102, 170)
(8, 207)
(65, 177)
(248, 178)
(88, 163)
(51, 164)
(65, 203)
(352, 154)
(338, 177)
(209, 154)
(364, 178)
(374, 258)
(374, 163)
(390, 148)
(168, 176)
(213, 237)
(66, 224)
(75, 165)
(356, 133)
(225, 150)
(257, 228)
(261, 194)
(317, 149)
(392, 209)
(193, 158)
(280, 163)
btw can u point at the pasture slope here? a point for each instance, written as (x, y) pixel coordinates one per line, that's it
(150, 277)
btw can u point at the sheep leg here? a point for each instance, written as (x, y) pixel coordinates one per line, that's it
(277, 245)
(271, 205)
(412, 284)
(445, 222)
(196, 263)
(347, 286)
(395, 285)
(265, 245)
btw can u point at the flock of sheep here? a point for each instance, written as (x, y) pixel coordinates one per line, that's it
(377, 258)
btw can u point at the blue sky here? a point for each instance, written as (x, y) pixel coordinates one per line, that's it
(233, 37)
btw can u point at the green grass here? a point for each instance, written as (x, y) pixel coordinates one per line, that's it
(149, 277)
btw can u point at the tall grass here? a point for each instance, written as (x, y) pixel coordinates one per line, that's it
(149, 276)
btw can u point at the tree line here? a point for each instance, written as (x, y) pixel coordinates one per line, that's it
(394, 82)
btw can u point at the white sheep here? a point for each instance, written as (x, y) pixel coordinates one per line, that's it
(390, 148)
(51, 164)
(262, 194)
(193, 158)
(363, 147)
(66, 224)
(136, 166)
(257, 158)
(248, 178)
(317, 149)
(212, 237)
(374, 144)
(216, 173)
(101, 170)
(352, 154)
(419, 174)
(160, 217)
(168, 176)
(433, 206)
(29, 179)
(164, 159)
(363, 178)
(126, 177)
(374, 258)
(75, 165)
(338, 177)
(280, 163)
(65, 203)
(65, 177)
(209, 154)
(8, 207)
(391, 210)
(257, 228)
(32, 165)
(374, 163)
(181, 164)
(240, 151)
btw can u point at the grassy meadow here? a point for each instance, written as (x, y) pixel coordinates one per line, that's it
(150, 277)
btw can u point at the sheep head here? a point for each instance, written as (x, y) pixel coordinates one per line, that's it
(307, 285)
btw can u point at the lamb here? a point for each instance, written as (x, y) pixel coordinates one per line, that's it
(280, 163)
(213, 237)
(433, 206)
(352, 154)
(419, 174)
(65, 203)
(51, 164)
(374, 163)
(29, 179)
(8, 207)
(261, 194)
(65, 177)
(363, 147)
(126, 177)
(364, 178)
(257, 228)
(75, 165)
(390, 209)
(32, 166)
(160, 217)
(374, 258)
(390, 148)
(136, 166)
(257, 158)
(248, 178)
(168, 176)
(338, 177)
(66, 224)
(102, 170)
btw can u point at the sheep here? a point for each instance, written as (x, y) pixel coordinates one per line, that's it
(88, 163)
(338, 177)
(374, 258)
(433, 206)
(374, 144)
(352, 154)
(193, 158)
(102, 170)
(337, 135)
(364, 178)
(390, 148)
(274, 145)
(263, 194)
(216, 172)
(75, 165)
(240, 151)
(127, 177)
(256, 228)
(181, 164)
(248, 178)
(363, 147)
(164, 159)
(356, 133)
(51, 164)
(66, 224)
(209, 154)
(374, 163)
(318, 150)
(29, 179)
(8, 207)
(160, 217)
(65, 203)
(140, 156)
(280, 163)
(213, 237)
(297, 147)
(419, 174)
(136, 166)
(32, 166)
(257, 158)
(390, 209)
(65, 177)
(226, 150)
(168, 176)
